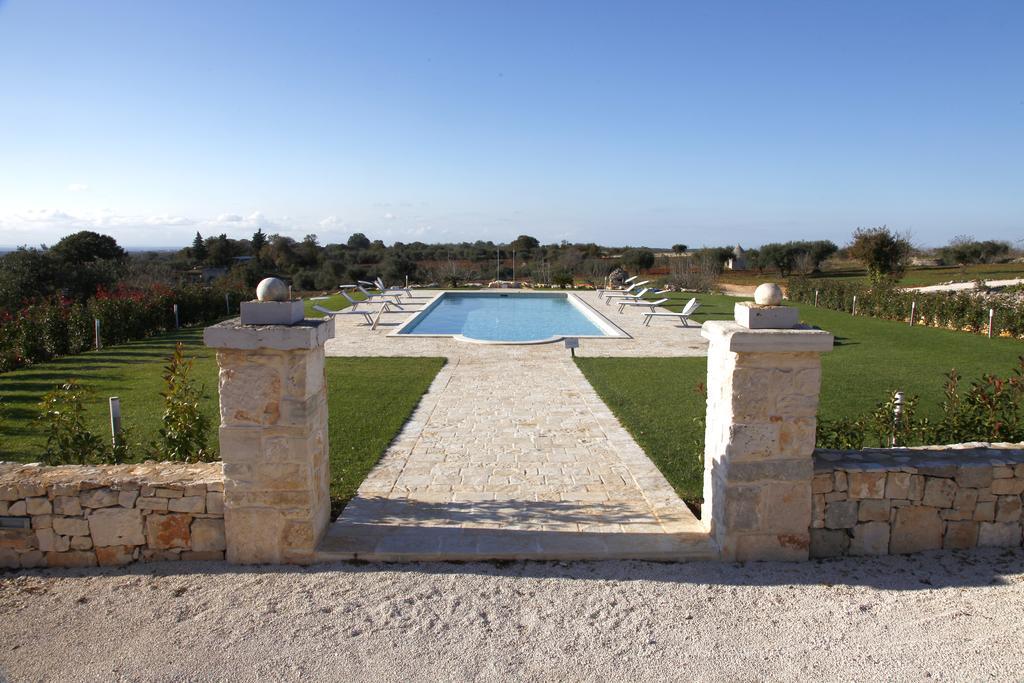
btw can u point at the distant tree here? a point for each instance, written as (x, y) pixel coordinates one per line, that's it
(780, 257)
(963, 250)
(25, 274)
(396, 268)
(638, 259)
(259, 240)
(679, 248)
(882, 252)
(87, 246)
(221, 250)
(525, 243)
(358, 241)
(199, 251)
(308, 251)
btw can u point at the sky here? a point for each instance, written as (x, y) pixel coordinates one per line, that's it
(640, 123)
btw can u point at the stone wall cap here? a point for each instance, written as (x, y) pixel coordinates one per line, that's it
(310, 333)
(741, 339)
(90, 476)
(969, 455)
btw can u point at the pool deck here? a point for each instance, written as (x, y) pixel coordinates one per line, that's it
(512, 455)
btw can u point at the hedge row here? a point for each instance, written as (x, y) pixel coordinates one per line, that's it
(53, 327)
(961, 310)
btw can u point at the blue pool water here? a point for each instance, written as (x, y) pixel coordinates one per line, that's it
(504, 317)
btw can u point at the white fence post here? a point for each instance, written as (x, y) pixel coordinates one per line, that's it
(96, 332)
(913, 310)
(854, 305)
(991, 314)
(177, 320)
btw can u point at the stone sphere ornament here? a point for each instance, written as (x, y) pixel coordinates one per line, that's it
(272, 289)
(768, 294)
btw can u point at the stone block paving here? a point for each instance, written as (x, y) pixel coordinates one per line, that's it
(512, 455)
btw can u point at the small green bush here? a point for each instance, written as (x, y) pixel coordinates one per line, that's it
(990, 409)
(68, 440)
(184, 435)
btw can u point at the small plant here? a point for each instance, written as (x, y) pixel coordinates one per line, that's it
(62, 411)
(991, 409)
(185, 430)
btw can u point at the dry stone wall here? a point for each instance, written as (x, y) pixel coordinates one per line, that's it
(81, 516)
(901, 500)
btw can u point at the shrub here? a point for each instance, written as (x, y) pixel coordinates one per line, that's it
(55, 326)
(882, 252)
(185, 430)
(989, 410)
(62, 412)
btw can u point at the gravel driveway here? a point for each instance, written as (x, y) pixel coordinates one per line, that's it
(936, 616)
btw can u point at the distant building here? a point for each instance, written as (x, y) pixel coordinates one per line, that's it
(738, 260)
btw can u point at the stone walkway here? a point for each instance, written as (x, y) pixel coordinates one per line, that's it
(511, 455)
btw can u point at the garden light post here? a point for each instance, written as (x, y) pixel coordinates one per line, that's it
(115, 420)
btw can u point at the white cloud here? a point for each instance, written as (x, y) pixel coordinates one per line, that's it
(228, 218)
(164, 219)
(45, 216)
(389, 216)
(330, 222)
(77, 187)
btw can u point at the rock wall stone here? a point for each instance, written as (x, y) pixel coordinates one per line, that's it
(907, 500)
(83, 516)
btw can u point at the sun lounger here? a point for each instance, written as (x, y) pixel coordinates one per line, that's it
(382, 287)
(370, 296)
(610, 297)
(652, 303)
(368, 315)
(626, 290)
(684, 315)
(628, 282)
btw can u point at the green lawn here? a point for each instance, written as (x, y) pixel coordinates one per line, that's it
(368, 399)
(656, 398)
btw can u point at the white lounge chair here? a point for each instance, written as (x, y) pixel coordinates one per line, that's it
(382, 287)
(628, 281)
(602, 293)
(652, 303)
(368, 315)
(610, 297)
(378, 296)
(684, 315)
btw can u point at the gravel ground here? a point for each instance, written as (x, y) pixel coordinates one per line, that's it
(935, 616)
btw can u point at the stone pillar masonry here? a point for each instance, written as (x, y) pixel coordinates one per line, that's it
(764, 377)
(273, 438)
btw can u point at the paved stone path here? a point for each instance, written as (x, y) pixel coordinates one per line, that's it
(512, 455)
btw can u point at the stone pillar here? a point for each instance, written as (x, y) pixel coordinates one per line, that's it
(762, 409)
(273, 438)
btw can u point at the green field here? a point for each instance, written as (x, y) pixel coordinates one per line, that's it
(657, 398)
(368, 400)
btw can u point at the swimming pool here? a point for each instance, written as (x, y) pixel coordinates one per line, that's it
(508, 318)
